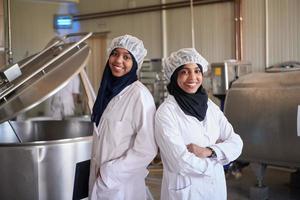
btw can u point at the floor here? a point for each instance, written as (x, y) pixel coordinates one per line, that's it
(277, 179)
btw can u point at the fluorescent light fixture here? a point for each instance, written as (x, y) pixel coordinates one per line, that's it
(63, 21)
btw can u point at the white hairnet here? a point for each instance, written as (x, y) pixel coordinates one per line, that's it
(182, 57)
(132, 44)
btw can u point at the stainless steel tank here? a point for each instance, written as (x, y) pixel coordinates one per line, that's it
(43, 165)
(263, 109)
(38, 158)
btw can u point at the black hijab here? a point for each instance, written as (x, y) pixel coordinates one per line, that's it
(110, 87)
(191, 104)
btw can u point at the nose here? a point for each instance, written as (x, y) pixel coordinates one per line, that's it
(192, 75)
(119, 59)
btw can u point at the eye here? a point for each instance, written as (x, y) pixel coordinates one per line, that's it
(197, 71)
(184, 72)
(127, 57)
(114, 53)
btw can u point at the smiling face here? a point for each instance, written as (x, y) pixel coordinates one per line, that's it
(120, 62)
(190, 78)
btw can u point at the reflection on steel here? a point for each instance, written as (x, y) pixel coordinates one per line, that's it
(43, 166)
(262, 108)
(12, 128)
(42, 76)
(38, 158)
(284, 66)
(40, 53)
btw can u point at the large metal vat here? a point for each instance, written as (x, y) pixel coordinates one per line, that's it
(263, 109)
(39, 158)
(43, 165)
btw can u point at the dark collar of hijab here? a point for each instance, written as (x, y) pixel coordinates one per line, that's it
(191, 104)
(111, 86)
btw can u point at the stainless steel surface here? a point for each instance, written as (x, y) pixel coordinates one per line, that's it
(11, 73)
(8, 48)
(223, 74)
(262, 108)
(43, 166)
(284, 66)
(38, 158)
(27, 61)
(15, 132)
(42, 77)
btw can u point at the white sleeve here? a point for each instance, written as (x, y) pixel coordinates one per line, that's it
(229, 145)
(144, 148)
(174, 152)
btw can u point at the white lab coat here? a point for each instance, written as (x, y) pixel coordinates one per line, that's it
(123, 146)
(61, 104)
(185, 175)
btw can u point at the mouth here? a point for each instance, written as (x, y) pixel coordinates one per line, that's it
(191, 84)
(117, 68)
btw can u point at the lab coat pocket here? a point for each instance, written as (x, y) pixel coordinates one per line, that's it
(179, 186)
(100, 191)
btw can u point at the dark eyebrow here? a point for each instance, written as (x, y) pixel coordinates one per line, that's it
(127, 53)
(190, 68)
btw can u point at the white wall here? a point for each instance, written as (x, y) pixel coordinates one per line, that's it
(254, 33)
(214, 28)
(268, 37)
(32, 25)
(92, 6)
(271, 32)
(283, 30)
(144, 26)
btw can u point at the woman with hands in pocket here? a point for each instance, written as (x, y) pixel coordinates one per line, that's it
(123, 114)
(194, 136)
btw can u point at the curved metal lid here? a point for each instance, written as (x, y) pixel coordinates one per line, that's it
(268, 80)
(42, 75)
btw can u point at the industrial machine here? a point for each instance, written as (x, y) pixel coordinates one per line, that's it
(264, 110)
(151, 75)
(39, 158)
(224, 74)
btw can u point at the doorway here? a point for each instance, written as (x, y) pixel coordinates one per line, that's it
(96, 62)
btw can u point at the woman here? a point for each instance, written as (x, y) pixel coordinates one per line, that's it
(123, 141)
(194, 137)
(62, 104)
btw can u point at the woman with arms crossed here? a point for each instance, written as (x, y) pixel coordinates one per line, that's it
(194, 136)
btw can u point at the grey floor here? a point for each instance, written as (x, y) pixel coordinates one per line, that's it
(277, 180)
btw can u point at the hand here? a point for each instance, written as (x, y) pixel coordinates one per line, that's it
(200, 152)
